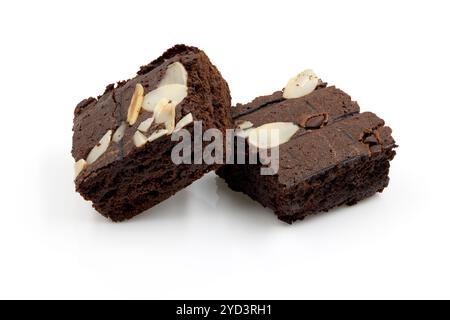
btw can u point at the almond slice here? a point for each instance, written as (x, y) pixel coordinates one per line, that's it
(120, 132)
(271, 135)
(243, 125)
(100, 148)
(157, 134)
(165, 113)
(161, 103)
(173, 92)
(170, 124)
(146, 124)
(79, 166)
(186, 120)
(135, 104)
(175, 74)
(243, 128)
(139, 139)
(301, 85)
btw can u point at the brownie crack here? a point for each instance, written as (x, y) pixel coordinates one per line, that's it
(264, 105)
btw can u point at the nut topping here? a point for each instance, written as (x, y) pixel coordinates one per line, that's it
(175, 74)
(157, 134)
(271, 135)
(173, 92)
(135, 104)
(120, 132)
(301, 85)
(139, 139)
(146, 124)
(100, 148)
(243, 125)
(165, 113)
(186, 120)
(79, 166)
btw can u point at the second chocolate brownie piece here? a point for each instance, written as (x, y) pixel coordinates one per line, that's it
(329, 153)
(122, 139)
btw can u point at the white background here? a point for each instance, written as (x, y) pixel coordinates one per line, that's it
(207, 241)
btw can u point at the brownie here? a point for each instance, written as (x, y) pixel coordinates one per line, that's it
(122, 139)
(336, 156)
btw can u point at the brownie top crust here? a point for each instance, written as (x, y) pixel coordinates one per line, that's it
(93, 117)
(331, 132)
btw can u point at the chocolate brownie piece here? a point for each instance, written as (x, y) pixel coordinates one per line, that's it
(122, 139)
(336, 155)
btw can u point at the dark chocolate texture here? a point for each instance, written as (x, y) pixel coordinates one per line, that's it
(338, 156)
(126, 180)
